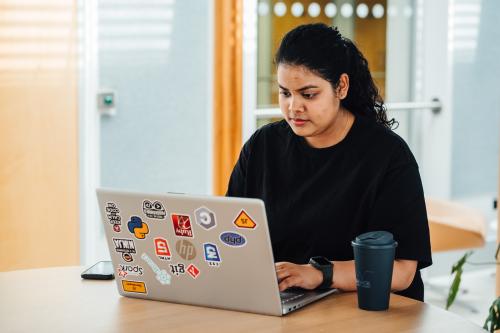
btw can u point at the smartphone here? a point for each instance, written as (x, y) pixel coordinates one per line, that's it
(103, 270)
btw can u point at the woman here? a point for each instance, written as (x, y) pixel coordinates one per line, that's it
(333, 169)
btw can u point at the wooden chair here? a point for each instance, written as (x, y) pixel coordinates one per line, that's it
(454, 226)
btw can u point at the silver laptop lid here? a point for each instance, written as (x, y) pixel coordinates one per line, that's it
(200, 250)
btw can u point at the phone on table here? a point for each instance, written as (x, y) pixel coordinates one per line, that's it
(103, 270)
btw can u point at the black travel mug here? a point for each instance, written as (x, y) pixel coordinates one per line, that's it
(374, 260)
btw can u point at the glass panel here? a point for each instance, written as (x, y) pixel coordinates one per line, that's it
(475, 98)
(363, 21)
(156, 56)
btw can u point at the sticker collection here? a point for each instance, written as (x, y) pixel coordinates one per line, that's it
(183, 250)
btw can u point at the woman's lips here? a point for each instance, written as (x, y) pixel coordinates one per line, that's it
(298, 122)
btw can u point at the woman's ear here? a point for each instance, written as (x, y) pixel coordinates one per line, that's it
(343, 86)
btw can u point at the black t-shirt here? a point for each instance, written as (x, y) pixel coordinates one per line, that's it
(318, 200)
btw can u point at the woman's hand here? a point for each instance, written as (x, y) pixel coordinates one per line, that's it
(293, 275)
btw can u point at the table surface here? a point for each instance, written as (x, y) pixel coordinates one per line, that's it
(58, 300)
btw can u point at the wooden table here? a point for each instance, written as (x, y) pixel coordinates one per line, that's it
(57, 300)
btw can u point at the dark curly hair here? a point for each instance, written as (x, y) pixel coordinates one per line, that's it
(324, 51)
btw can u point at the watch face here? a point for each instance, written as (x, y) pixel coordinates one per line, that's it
(322, 261)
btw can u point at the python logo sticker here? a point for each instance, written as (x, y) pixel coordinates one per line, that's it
(154, 210)
(161, 248)
(137, 227)
(233, 239)
(182, 225)
(161, 275)
(126, 247)
(212, 256)
(193, 271)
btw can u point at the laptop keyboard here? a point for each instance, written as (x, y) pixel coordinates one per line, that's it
(288, 296)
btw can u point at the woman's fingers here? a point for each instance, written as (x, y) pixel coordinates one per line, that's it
(291, 281)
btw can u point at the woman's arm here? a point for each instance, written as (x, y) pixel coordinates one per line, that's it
(344, 275)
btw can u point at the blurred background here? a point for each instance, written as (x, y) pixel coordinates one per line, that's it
(159, 95)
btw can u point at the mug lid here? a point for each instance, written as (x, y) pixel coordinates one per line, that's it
(375, 238)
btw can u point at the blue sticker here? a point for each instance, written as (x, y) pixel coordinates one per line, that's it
(212, 256)
(233, 239)
(137, 227)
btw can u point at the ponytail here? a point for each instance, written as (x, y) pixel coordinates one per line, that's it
(363, 96)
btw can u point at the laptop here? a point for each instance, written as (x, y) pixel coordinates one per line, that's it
(199, 250)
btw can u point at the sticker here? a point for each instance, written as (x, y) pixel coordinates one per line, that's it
(177, 269)
(212, 256)
(232, 239)
(137, 227)
(182, 225)
(154, 210)
(185, 249)
(126, 247)
(134, 286)
(161, 275)
(193, 271)
(205, 218)
(161, 248)
(112, 212)
(124, 270)
(244, 221)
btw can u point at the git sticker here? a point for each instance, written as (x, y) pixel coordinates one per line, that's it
(244, 221)
(137, 227)
(212, 256)
(113, 214)
(178, 269)
(154, 210)
(182, 225)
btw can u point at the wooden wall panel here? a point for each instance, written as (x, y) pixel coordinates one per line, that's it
(38, 138)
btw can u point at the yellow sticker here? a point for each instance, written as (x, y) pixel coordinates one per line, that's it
(134, 286)
(244, 221)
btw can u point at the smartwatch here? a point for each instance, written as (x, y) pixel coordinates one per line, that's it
(326, 267)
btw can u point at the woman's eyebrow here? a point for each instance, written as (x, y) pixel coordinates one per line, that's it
(301, 89)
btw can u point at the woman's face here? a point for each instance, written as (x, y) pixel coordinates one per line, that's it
(309, 103)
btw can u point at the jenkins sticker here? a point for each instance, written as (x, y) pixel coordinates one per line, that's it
(182, 225)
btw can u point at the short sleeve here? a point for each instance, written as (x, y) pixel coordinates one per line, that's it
(400, 208)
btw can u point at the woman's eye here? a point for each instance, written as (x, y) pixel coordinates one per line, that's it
(285, 93)
(308, 96)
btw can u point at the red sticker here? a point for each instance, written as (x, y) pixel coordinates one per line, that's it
(182, 225)
(193, 271)
(161, 248)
